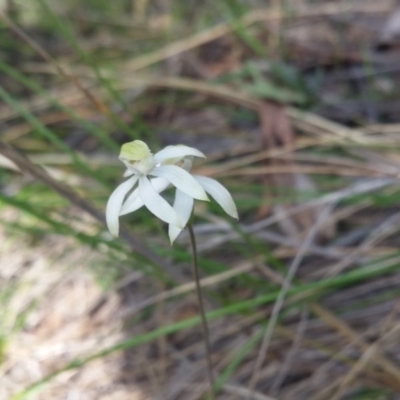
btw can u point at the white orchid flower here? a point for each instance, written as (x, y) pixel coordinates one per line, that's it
(169, 166)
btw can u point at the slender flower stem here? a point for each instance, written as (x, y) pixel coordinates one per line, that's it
(202, 312)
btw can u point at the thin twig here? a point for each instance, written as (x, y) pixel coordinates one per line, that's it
(204, 324)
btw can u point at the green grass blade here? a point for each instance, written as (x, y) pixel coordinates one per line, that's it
(49, 135)
(97, 131)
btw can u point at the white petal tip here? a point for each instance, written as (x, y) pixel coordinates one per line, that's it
(205, 198)
(113, 227)
(173, 233)
(234, 213)
(115, 233)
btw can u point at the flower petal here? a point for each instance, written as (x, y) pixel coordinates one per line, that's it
(115, 202)
(134, 202)
(219, 193)
(182, 180)
(183, 205)
(130, 170)
(156, 204)
(178, 151)
(127, 173)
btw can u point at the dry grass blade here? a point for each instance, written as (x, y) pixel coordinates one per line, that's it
(325, 130)
(370, 353)
(382, 231)
(391, 369)
(308, 169)
(260, 15)
(358, 188)
(362, 363)
(190, 286)
(284, 289)
(340, 326)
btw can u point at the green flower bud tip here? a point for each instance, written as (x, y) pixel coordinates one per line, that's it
(134, 151)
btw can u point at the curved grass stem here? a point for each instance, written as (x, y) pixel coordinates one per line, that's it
(204, 324)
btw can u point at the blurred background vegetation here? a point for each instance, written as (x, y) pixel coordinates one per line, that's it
(296, 105)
